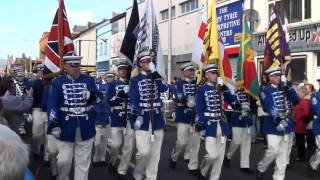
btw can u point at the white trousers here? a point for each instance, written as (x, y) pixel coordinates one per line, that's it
(278, 151)
(115, 144)
(189, 141)
(290, 144)
(315, 159)
(53, 152)
(241, 137)
(127, 149)
(80, 151)
(215, 151)
(38, 128)
(100, 144)
(148, 154)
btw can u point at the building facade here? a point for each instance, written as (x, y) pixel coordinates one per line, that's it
(303, 22)
(186, 17)
(85, 46)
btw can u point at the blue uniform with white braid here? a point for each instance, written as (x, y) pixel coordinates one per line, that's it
(209, 109)
(277, 103)
(237, 118)
(140, 97)
(69, 109)
(184, 89)
(117, 104)
(316, 112)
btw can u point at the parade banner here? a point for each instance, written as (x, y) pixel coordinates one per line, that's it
(277, 48)
(246, 68)
(129, 41)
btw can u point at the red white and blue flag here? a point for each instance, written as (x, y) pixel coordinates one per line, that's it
(59, 41)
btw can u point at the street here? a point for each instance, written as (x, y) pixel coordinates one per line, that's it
(298, 172)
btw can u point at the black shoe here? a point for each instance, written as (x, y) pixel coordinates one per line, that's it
(172, 164)
(259, 175)
(121, 177)
(226, 162)
(112, 170)
(201, 177)
(194, 172)
(187, 161)
(247, 170)
(311, 172)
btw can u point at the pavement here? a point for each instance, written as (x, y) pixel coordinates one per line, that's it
(297, 172)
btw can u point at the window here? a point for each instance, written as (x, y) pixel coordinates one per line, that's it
(189, 6)
(165, 14)
(318, 60)
(293, 10)
(115, 27)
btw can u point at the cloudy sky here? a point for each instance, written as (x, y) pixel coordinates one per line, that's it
(22, 22)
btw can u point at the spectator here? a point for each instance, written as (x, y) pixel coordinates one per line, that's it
(302, 116)
(14, 155)
(311, 140)
(14, 106)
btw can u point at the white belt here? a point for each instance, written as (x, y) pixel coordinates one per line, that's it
(214, 115)
(148, 105)
(120, 108)
(76, 110)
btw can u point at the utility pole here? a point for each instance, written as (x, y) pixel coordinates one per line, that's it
(169, 41)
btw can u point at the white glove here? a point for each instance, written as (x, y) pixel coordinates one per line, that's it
(56, 132)
(283, 79)
(86, 94)
(220, 81)
(29, 118)
(280, 128)
(284, 123)
(191, 101)
(152, 67)
(126, 89)
(138, 123)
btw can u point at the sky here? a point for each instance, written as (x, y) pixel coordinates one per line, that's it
(22, 22)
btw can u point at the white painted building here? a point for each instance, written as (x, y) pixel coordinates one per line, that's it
(304, 34)
(85, 46)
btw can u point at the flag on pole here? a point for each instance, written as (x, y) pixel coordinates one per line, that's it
(130, 39)
(148, 39)
(246, 67)
(198, 53)
(277, 48)
(59, 41)
(214, 51)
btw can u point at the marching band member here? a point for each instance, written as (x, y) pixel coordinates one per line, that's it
(211, 119)
(71, 119)
(241, 123)
(118, 101)
(315, 159)
(148, 120)
(188, 139)
(278, 124)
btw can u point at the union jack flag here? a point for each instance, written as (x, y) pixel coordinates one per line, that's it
(59, 41)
